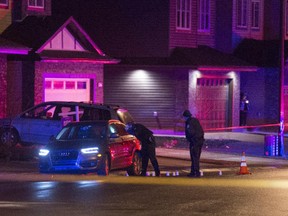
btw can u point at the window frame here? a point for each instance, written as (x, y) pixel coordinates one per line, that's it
(35, 5)
(204, 16)
(242, 13)
(183, 14)
(255, 15)
(4, 5)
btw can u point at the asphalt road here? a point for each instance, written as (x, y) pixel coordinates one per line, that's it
(120, 195)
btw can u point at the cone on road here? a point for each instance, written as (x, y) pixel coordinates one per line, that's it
(243, 166)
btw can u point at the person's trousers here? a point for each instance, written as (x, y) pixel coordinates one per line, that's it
(195, 153)
(148, 153)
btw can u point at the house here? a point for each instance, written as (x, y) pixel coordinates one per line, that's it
(48, 58)
(174, 55)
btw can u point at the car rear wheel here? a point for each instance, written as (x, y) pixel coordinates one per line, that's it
(105, 166)
(135, 168)
(9, 137)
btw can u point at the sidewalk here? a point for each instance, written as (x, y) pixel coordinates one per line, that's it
(223, 147)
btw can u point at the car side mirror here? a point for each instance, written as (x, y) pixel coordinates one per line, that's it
(114, 135)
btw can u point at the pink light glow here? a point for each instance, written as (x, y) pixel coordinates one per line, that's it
(246, 69)
(14, 51)
(112, 61)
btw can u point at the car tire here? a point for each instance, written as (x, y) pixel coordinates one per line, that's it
(105, 166)
(9, 137)
(136, 167)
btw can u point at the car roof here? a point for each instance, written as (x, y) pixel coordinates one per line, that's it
(96, 122)
(86, 104)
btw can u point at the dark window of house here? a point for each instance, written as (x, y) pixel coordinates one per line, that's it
(255, 13)
(36, 3)
(241, 13)
(204, 15)
(183, 14)
(3, 3)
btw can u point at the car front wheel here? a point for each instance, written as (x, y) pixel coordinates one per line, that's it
(135, 168)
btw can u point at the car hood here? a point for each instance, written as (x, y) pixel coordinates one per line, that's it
(76, 144)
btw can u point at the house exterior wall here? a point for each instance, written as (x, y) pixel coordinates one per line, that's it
(3, 86)
(15, 88)
(239, 33)
(21, 10)
(92, 71)
(155, 96)
(223, 26)
(262, 89)
(208, 38)
(271, 20)
(179, 38)
(5, 17)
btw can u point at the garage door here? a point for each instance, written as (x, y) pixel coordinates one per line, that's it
(212, 102)
(67, 89)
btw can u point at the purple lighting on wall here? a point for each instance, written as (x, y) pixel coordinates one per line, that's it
(14, 51)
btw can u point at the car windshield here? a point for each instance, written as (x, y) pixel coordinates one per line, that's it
(86, 131)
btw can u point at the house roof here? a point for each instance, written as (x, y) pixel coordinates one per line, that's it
(202, 57)
(263, 53)
(9, 47)
(35, 32)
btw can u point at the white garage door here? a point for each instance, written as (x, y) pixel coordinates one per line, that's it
(67, 89)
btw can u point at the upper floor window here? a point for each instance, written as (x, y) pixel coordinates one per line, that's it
(255, 13)
(4, 3)
(241, 13)
(36, 3)
(204, 15)
(183, 19)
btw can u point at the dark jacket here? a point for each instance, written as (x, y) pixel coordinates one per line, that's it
(193, 130)
(142, 133)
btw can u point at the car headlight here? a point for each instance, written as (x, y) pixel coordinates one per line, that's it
(43, 152)
(90, 150)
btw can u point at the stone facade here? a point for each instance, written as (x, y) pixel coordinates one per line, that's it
(92, 71)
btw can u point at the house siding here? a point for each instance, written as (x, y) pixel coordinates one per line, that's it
(182, 38)
(262, 89)
(69, 70)
(154, 92)
(247, 32)
(208, 38)
(271, 20)
(223, 26)
(5, 17)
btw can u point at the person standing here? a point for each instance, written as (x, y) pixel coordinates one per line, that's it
(148, 146)
(244, 107)
(195, 136)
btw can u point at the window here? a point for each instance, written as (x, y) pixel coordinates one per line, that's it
(36, 3)
(3, 3)
(241, 9)
(183, 13)
(255, 16)
(204, 15)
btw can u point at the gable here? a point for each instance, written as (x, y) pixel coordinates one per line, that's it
(64, 40)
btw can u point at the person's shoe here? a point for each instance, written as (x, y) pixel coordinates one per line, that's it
(143, 174)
